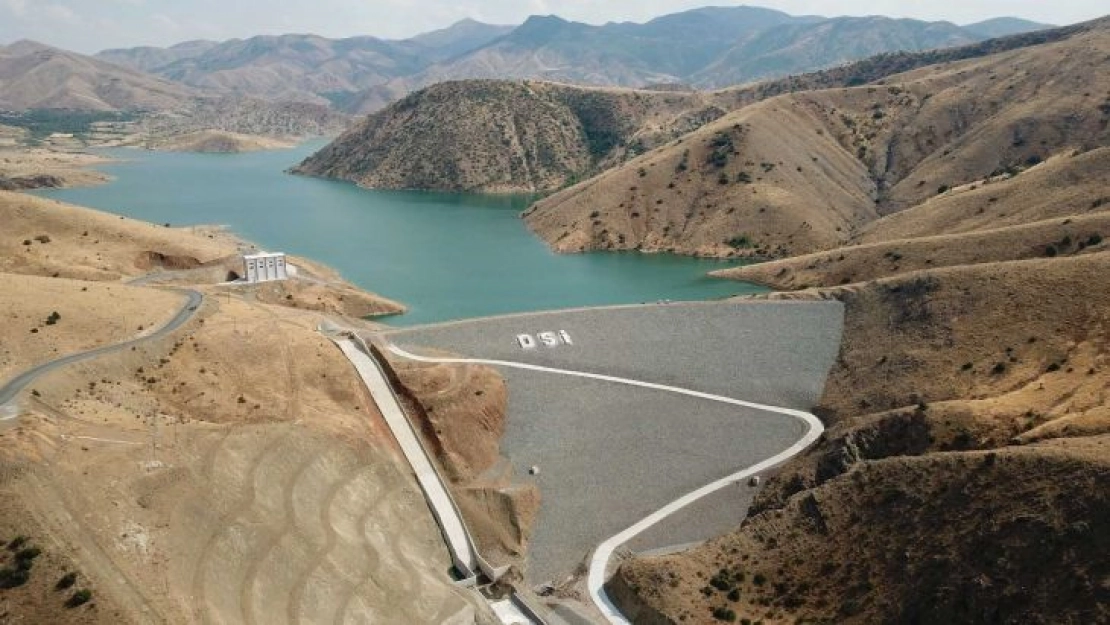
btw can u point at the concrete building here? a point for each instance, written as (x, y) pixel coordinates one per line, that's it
(264, 267)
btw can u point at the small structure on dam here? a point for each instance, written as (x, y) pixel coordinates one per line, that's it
(265, 267)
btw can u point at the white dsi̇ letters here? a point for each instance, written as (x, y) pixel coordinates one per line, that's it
(548, 339)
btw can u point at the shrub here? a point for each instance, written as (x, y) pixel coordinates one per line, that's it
(743, 178)
(67, 581)
(734, 595)
(1094, 239)
(722, 179)
(759, 579)
(942, 189)
(16, 543)
(81, 597)
(25, 557)
(999, 368)
(1050, 251)
(13, 578)
(53, 318)
(724, 614)
(741, 241)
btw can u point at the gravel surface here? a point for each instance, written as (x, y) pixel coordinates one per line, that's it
(610, 454)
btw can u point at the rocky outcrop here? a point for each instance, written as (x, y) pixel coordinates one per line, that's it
(25, 183)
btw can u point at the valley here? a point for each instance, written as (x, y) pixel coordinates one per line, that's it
(725, 316)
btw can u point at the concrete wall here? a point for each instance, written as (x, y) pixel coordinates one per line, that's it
(265, 268)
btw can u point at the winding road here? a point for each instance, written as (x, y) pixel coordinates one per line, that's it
(599, 562)
(11, 389)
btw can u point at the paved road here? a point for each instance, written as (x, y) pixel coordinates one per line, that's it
(599, 562)
(11, 389)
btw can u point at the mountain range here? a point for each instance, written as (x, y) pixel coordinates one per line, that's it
(36, 76)
(709, 47)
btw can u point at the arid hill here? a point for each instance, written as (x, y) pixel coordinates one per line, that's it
(216, 141)
(386, 141)
(499, 136)
(150, 58)
(958, 480)
(1058, 208)
(303, 68)
(967, 421)
(710, 47)
(809, 171)
(232, 471)
(36, 76)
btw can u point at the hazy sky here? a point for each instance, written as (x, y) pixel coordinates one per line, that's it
(91, 25)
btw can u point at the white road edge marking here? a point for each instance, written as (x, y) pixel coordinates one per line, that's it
(595, 581)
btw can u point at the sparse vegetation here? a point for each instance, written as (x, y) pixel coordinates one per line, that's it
(66, 582)
(724, 614)
(722, 148)
(79, 598)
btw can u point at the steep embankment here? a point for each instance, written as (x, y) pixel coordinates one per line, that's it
(493, 136)
(461, 411)
(968, 433)
(808, 171)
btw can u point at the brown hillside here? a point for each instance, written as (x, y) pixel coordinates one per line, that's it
(220, 142)
(759, 180)
(273, 477)
(958, 479)
(805, 172)
(861, 263)
(983, 537)
(233, 471)
(36, 76)
(499, 136)
(86, 244)
(1056, 208)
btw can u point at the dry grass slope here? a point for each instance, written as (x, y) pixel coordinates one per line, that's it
(809, 171)
(235, 471)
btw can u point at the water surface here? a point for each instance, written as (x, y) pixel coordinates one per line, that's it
(446, 256)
